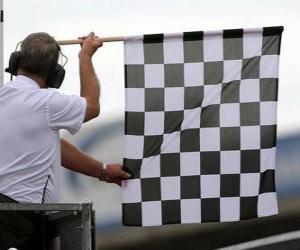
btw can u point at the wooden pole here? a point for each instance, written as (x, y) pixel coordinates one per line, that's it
(103, 39)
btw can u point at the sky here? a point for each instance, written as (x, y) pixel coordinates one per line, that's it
(70, 19)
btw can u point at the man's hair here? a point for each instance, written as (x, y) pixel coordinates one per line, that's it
(39, 53)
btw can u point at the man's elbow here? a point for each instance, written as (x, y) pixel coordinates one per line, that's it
(97, 111)
(92, 113)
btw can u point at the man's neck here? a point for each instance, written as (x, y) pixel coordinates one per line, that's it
(39, 80)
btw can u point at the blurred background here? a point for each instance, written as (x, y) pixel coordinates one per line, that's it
(102, 138)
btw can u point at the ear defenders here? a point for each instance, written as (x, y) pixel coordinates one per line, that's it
(54, 78)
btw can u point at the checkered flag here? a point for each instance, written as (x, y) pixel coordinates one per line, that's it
(200, 126)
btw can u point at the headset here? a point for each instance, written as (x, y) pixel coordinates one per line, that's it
(55, 76)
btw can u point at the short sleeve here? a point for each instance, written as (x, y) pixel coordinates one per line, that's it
(66, 112)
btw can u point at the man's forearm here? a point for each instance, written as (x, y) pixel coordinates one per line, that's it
(74, 159)
(90, 87)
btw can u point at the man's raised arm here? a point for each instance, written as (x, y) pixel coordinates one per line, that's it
(90, 87)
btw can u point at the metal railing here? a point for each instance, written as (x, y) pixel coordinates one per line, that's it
(74, 223)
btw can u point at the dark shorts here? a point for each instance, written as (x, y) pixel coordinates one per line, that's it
(20, 229)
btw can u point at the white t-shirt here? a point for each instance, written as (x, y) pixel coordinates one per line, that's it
(30, 120)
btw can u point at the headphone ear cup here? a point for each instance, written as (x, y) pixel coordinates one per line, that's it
(56, 76)
(13, 63)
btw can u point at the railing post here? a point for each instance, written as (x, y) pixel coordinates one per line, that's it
(1, 44)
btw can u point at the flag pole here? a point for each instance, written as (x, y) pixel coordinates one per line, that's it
(103, 39)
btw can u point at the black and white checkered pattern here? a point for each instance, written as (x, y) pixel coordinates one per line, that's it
(200, 133)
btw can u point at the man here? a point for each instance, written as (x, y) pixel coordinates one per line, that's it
(31, 151)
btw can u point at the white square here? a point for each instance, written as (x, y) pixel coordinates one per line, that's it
(190, 210)
(174, 99)
(193, 74)
(210, 186)
(131, 191)
(250, 137)
(212, 94)
(135, 99)
(230, 209)
(213, 47)
(252, 43)
(171, 143)
(190, 164)
(249, 90)
(232, 70)
(173, 50)
(134, 146)
(230, 115)
(154, 123)
(209, 139)
(267, 204)
(150, 167)
(170, 188)
(268, 113)
(191, 118)
(151, 213)
(154, 76)
(269, 66)
(230, 162)
(134, 52)
(249, 184)
(267, 159)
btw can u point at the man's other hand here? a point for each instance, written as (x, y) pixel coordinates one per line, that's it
(89, 44)
(114, 174)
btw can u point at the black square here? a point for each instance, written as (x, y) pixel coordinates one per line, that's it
(190, 140)
(132, 214)
(134, 76)
(250, 114)
(193, 46)
(230, 138)
(152, 145)
(170, 164)
(193, 97)
(210, 210)
(153, 49)
(193, 51)
(210, 116)
(154, 99)
(134, 123)
(230, 92)
(233, 47)
(190, 187)
(173, 121)
(210, 162)
(250, 69)
(171, 212)
(268, 89)
(230, 185)
(133, 167)
(267, 181)
(250, 161)
(271, 40)
(268, 136)
(174, 76)
(248, 208)
(150, 189)
(213, 72)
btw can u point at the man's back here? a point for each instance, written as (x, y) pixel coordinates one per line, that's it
(28, 148)
(31, 118)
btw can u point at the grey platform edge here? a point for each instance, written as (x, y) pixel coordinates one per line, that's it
(83, 210)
